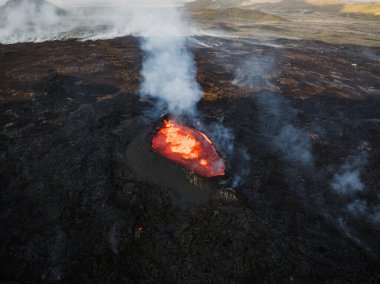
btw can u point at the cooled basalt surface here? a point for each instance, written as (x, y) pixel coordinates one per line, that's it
(73, 209)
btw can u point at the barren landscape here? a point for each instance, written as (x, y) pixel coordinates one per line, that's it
(291, 19)
(84, 199)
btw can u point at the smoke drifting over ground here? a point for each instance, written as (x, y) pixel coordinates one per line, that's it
(294, 145)
(168, 69)
(236, 157)
(31, 21)
(348, 184)
(40, 20)
(347, 181)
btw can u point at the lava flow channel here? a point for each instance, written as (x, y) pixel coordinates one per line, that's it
(188, 147)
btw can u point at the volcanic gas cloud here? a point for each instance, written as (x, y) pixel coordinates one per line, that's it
(188, 147)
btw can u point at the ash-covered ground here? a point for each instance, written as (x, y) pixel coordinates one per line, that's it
(304, 117)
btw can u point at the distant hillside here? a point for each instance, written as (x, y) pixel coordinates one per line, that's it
(336, 6)
(363, 8)
(210, 4)
(37, 5)
(237, 14)
(217, 4)
(222, 4)
(369, 10)
(222, 10)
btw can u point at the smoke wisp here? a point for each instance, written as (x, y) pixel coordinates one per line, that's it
(347, 180)
(345, 202)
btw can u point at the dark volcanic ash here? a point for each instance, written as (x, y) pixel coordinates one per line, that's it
(302, 167)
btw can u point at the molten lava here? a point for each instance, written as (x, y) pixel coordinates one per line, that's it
(188, 147)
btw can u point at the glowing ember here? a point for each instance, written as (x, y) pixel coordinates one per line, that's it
(314, 136)
(189, 148)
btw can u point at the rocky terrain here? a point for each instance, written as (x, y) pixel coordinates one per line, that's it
(74, 211)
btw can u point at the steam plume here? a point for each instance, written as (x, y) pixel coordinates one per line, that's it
(168, 69)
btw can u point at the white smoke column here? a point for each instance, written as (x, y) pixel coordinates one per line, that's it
(168, 68)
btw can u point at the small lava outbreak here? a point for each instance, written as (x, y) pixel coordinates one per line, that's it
(188, 147)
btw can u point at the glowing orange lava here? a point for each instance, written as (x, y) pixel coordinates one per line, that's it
(188, 147)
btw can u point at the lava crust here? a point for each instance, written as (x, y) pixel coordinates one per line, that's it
(85, 199)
